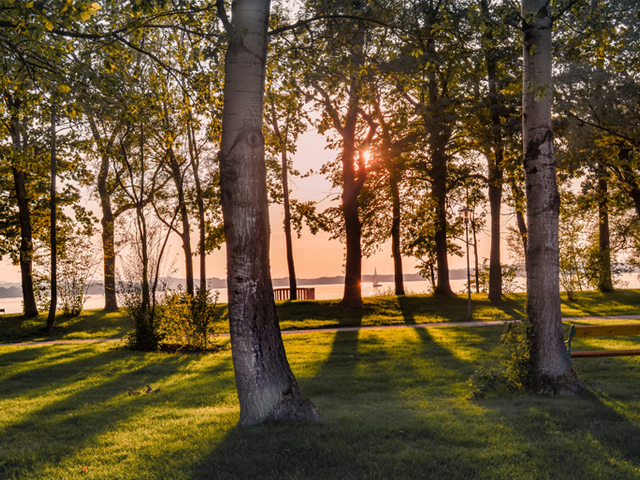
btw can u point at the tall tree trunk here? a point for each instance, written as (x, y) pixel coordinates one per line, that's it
(439, 135)
(551, 368)
(395, 232)
(202, 241)
(142, 230)
(353, 181)
(24, 214)
(605, 282)
(293, 287)
(439, 193)
(51, 320)
(267, 389)
(107, 222)
(521, 222)
(353, 228)
(496, 162)
(26, 244)
(495, 269)
(185, 234)
(475, 254)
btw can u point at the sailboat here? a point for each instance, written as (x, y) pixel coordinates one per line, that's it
(376, 284)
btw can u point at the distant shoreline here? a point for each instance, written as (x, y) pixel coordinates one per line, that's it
(15, 291)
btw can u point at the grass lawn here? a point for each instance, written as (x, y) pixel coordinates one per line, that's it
(395, 403)
(383, 310)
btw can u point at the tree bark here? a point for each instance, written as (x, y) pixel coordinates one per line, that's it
(352, 296)
(551, 369)
(475, 254)
(496, 168)
(51, 320)
(605, 282)
(439, 135)
(200, 202)
(267, 389)
(107, 222)
(521, 222)
(26, 243)
(185, 234)
(24, 214)
(293, 286)
(395, 231)
(439, 193)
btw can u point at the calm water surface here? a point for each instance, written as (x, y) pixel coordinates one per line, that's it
(324, 292)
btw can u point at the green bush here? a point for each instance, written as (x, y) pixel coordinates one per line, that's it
(188, 320)
(513, 373)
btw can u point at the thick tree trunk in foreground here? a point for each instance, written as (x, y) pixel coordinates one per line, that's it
(267, 389)
(551, 369)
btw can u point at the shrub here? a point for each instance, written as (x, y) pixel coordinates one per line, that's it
(188, 320)
(145, 334)
(513, 373)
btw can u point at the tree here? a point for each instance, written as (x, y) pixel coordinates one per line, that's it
(286, 120)
(551, 368)
(338, 83)
(437, 64)
(17, 130)
(267, 389)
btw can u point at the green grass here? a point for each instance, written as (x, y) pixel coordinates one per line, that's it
(395, 402)
(384, 310)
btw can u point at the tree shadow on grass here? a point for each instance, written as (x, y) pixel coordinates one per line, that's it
(371, 431)
(398, 423)
(575, 437)
(71, 405)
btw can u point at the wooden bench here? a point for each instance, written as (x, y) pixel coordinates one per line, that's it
(303, 293)
(602, 331)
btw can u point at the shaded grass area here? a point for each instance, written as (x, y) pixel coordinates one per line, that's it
(89, 324)
(301, 314)
(395, 402)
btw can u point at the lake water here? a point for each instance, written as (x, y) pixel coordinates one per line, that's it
(327, 292)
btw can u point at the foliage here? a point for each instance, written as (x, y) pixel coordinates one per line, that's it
(513, 374)
(76, 266)
(509, 275)
(188, 320)
(145, 336)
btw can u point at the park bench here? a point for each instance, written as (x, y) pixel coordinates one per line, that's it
(603, 331)
(303, 293)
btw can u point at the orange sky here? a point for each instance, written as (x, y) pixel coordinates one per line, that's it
(315, 256)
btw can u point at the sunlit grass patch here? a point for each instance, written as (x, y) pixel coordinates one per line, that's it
(395, 402)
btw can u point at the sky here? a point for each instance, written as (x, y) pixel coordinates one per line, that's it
(315, 255)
